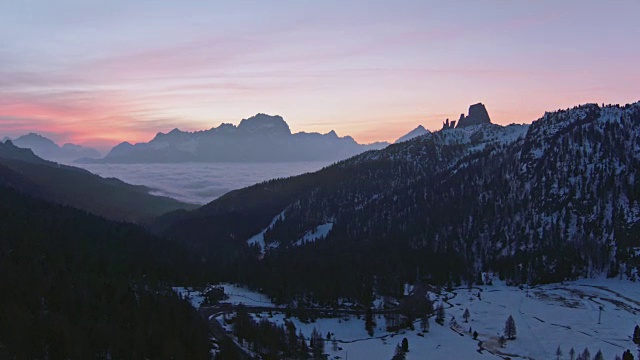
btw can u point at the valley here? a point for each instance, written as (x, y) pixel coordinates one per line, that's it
(565, 315)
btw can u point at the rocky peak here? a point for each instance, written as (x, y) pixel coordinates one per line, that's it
(477, 115)
(265, 124)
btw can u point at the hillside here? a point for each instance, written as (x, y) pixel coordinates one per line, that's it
(551, 201)
(111, 198)
(76, 286)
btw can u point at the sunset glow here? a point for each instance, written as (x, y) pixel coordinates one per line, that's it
(98, 73)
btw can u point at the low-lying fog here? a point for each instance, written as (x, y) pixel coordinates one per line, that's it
(200, 183)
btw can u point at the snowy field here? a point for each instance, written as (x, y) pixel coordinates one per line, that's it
(546, 317)
(237, 294)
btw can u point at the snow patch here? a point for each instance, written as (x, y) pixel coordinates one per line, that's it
(319, 233)
(259, 237)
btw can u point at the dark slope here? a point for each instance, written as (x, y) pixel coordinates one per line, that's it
(75, 286)
(539, 203)
(110, 198)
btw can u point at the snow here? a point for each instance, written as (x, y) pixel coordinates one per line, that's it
(241, 295)
(237, 294)
(259, 237)
(546, 317)
(319, 233)
(195, 297)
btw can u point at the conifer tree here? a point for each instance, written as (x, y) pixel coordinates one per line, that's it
(598, 356)
(440, 314)
(405, 345)
(558, 353)
(466, 315)
(399, 354)
(424, 323)
(510, 328)
(317, 344)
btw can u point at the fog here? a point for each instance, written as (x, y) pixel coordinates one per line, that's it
(200, 183)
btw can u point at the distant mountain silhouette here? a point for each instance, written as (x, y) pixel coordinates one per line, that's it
(261, 138)
(47, 149)
(419, 131)
(21, 169)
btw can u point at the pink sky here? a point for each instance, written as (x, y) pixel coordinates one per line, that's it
(98, 73)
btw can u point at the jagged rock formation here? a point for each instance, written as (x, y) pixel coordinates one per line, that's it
(477, 115)
(448, 125)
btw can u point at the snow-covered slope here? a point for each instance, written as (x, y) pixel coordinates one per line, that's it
(554, 200)
(419, 131)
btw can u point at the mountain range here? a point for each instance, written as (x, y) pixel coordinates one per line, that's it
(554, 200)
(49, 150)
(261, 138)
(21, 169)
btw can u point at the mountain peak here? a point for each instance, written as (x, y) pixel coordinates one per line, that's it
(33, 137)
(265, 124)
(419, 131)
(477, 115)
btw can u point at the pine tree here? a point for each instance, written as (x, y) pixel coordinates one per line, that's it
(317, 344)
(440, 314)
(636, 335)
(405, 345)
(399, 354)
(369, 324)
(572, 354)
(558, 353)
(599, 356)
(627, 355)
(424, 323)
(586, 355)
(466, 315)
(510, 328)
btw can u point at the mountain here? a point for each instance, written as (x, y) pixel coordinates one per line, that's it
(47, 149)
(261, 138)
(557, 199)
(419, 131)
(21, 169)
(477, 115)
(78, 286)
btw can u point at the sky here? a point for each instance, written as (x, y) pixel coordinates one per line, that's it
(101, 72)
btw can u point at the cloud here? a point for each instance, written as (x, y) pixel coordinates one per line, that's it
(200, 183)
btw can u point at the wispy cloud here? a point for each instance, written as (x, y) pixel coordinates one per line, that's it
(126, 70)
